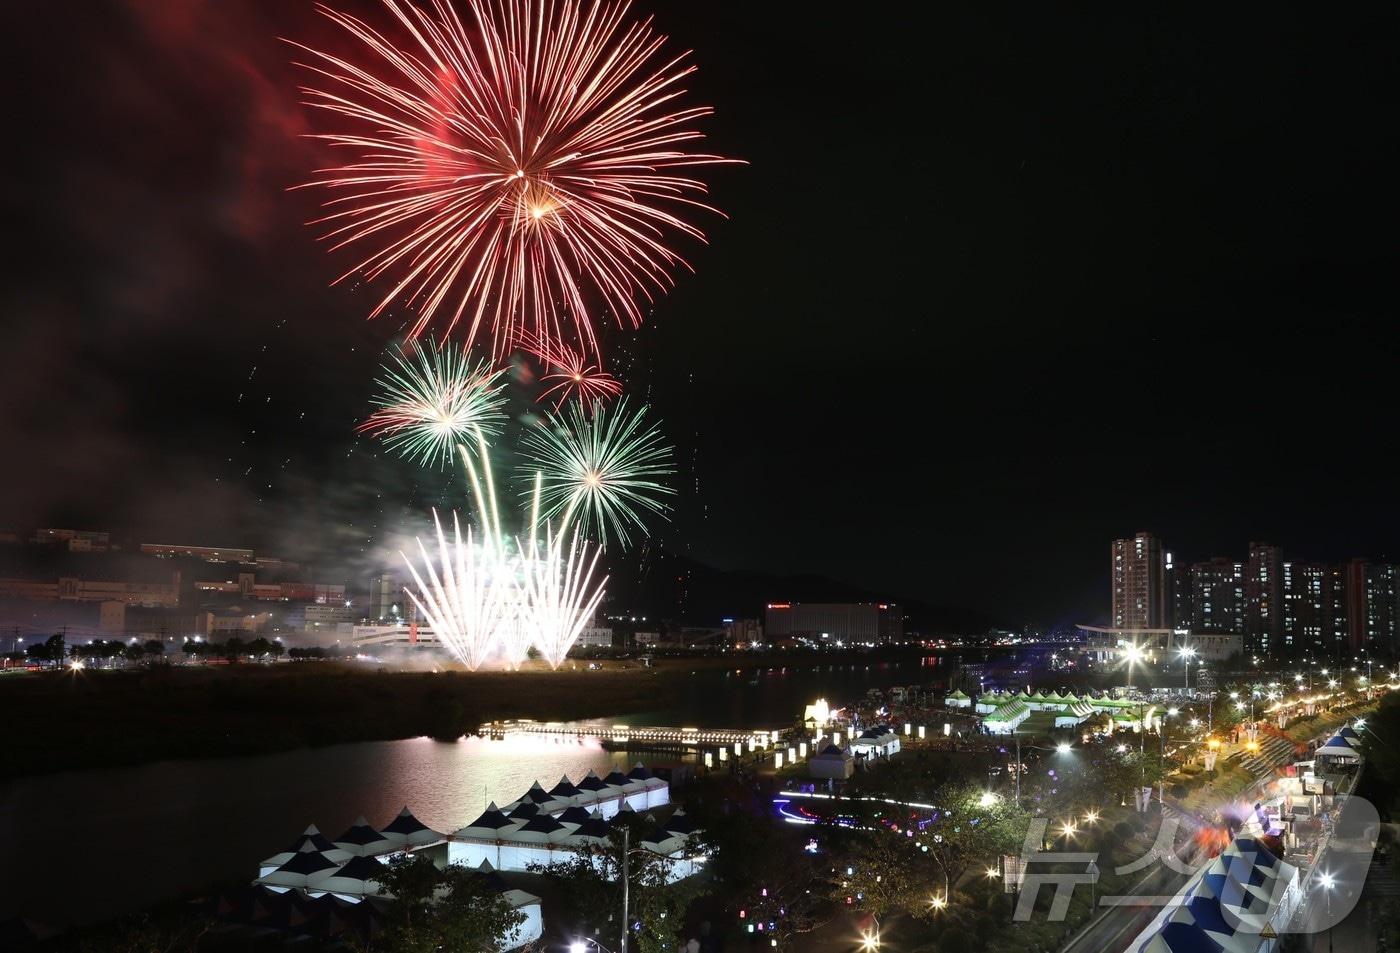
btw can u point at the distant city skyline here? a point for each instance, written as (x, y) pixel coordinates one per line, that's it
(1282, 606)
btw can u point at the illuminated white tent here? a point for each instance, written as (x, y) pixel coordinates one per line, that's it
(877, 741)
(1338, 751)
(311, 837)
(306, 868)
(355, 879)
(406, 831)
(564, 790)
(591, 790)
(832, 762)
(480, 841)
(658, 792)
(362, 840)
(573, 816)
(594, 832)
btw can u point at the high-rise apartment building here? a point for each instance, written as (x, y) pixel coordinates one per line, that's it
(1263, 593)
(1217, 596)
(1371, 606)
(386, 597)
(1139, 588)
(1281, 608)
(1307, 608)
(1179, 596)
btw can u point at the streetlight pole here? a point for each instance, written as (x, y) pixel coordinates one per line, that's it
(1017, 735)
(626, 845)
(1162, 759)
(1327, 882)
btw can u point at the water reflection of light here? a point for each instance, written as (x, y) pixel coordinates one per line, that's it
(531, 743)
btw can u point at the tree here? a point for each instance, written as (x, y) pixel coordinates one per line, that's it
(135, 652)
(883, 871)
(1382, 756)
(433, 909)
(233, 649)
(972, 829)
(591, 884)
(55, 649)
(276, 649)
(770, 875)
(154, 647)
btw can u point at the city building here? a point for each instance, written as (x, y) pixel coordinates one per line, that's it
(1307, 607)
(1218, 596)
(1139, 567)
(74, 540)
(1371, 607)
(386, 597)
(1263, 596)
(743, 632)
(1281, 607)
(223, 625)
(834, 622)
(213, 554)
(1178, 595)
(76, 589)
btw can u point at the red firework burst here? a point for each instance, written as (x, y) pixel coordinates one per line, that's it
(513, 169)
(572, 373)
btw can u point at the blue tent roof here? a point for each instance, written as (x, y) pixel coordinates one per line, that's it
(1207, 915)
(1187, 938)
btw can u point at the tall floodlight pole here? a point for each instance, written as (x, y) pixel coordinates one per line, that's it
(1187, 653)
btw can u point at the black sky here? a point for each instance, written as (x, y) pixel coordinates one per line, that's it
(995, 288)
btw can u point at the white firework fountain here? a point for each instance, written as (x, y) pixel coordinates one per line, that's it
(489, 596)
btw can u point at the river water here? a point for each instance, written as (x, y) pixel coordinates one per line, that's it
(81, 846)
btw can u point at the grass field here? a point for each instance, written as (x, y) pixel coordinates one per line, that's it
(59, 720)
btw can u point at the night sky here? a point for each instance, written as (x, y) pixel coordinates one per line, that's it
(994, 289)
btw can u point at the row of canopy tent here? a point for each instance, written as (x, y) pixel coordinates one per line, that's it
(546, 827)
(312, 859)
(321, 878)
(1039, 701)
(1227, 904)
(637, 789)
(332, 915)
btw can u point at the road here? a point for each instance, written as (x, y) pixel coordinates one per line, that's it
(1117, 925)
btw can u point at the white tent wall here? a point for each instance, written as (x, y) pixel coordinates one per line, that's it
(533, 927)
(521, 856)
(470, 853)
(658, 792)
(508, 856)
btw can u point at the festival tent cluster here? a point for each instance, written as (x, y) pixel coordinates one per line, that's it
(321, 887)
(1004, 711)
(546, 827)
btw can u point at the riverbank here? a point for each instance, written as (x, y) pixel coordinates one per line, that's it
(56, 721)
